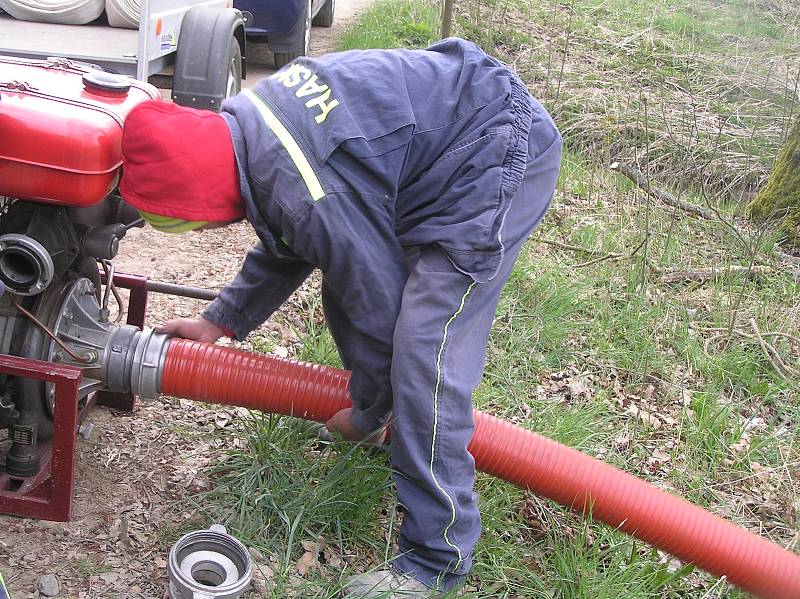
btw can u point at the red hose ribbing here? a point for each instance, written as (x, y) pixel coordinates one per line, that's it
(227, 376)
(634, 506)
(222, 375)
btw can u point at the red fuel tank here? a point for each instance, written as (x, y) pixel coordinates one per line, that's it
(61, 129)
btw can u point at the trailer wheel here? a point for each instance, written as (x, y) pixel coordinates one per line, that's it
(324, 17)
(303, 40)
(234, 85)
(209, 61)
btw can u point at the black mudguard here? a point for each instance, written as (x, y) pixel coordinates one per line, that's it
(201, 64)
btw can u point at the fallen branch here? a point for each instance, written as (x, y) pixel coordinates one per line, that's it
(766, 334)
(774, 357)
(610, 256)
(659, 194)
(771, 353)
(616, 256)
(600, 256)
(663, 196)
(573, 248)
(702, 275)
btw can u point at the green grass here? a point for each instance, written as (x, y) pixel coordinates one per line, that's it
(394, 24)
(287, 488)
(588, 349)
(90, 565)
(606, 565)
(665, 80)
(318, 345)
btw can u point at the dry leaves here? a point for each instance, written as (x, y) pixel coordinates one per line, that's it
(571, 384)
(309, 561)
(644, 416)
(316, 555)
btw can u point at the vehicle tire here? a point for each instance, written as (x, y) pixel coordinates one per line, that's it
(324, 17)
(304, 41)
(284, 58)
(234, 85)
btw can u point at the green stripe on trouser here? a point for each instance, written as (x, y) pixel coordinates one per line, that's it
(439, 346)
(436, 418)
(438, 359)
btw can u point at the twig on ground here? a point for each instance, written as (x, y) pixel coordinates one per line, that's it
(702, 275)
(763, 334)
(600, 256)
(789, 373)
(716, 588)
(667, 198)
(617, 256)
(784, 335)
(659, 194)
(573, 248)
(609, 256)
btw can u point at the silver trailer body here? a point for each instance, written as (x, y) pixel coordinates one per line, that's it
(138, 54)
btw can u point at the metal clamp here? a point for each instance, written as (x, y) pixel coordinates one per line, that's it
(148, 363)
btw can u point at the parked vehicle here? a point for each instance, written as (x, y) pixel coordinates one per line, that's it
(285, 25)
(202, 40)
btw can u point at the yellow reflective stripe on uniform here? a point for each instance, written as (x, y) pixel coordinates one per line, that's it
(288, 142)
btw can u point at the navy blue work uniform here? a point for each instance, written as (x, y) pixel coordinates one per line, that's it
(411, 179)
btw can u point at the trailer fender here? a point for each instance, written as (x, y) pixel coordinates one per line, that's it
(210, 60)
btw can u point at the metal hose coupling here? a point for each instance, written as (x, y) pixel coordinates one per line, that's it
(147, 363)
(209, 564)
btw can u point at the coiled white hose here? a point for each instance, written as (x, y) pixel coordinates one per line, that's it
(65, 12)
(123, 13)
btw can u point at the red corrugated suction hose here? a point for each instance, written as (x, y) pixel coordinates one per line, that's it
(222, 375)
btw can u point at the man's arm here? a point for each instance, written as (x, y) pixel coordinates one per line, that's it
(352, 239)
(263, 283)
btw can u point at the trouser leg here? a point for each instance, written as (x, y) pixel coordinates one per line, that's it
(438, 360)
(439, 346)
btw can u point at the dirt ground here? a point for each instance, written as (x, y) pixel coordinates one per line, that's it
(136, 467)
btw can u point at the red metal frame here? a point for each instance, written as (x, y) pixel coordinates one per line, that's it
(48, 495)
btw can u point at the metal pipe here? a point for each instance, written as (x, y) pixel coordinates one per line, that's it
(108, 269)
(87, 359)
(181, 290)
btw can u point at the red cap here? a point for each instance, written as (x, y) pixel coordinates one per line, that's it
(179, 162)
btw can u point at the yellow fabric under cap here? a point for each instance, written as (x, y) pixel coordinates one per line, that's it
(169, 224)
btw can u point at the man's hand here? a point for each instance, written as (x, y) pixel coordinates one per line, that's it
(197, 329)
(341, 423)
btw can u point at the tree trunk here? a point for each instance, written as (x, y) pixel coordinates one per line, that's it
(779, 200)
